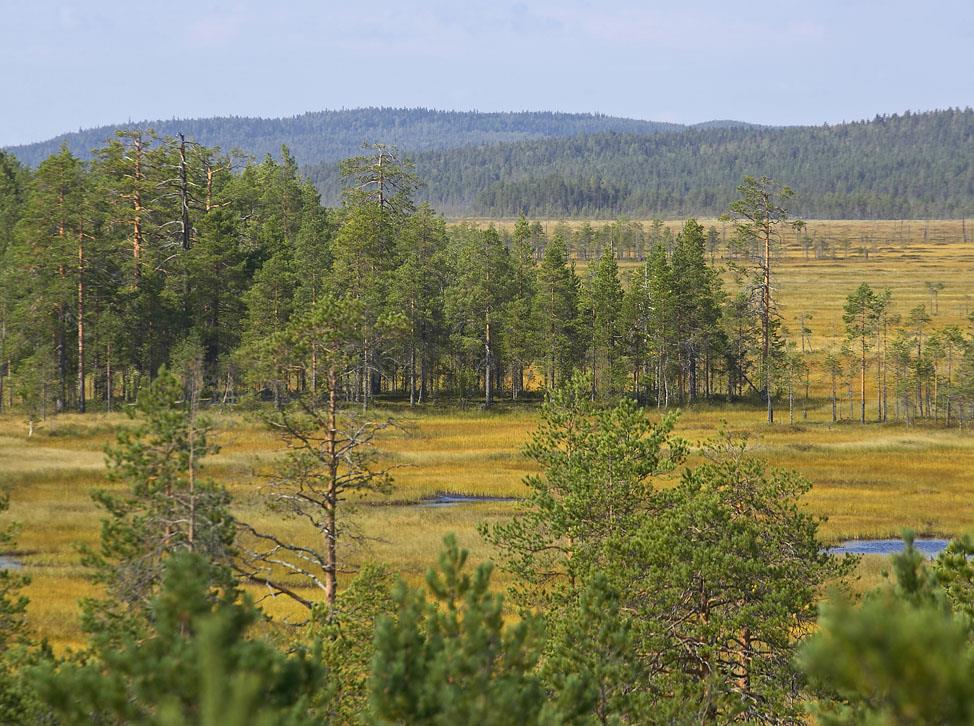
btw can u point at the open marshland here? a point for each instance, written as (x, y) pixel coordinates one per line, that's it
(870, 481)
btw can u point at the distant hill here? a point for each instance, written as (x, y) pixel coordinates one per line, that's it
(324, 136)
(588, 165)
(901, 166)
(726, 124)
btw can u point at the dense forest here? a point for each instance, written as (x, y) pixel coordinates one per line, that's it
(892, 167)
(329, 136)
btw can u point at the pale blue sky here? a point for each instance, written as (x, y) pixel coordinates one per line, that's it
(65, 65)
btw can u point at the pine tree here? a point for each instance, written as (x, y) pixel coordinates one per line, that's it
(758, 216)
(861, 317)
(721, 581)
(167, 507)
(658, 281)
(556, 313)
(884, 318)
(331, 455)
(918, 320)
(449, 658)
(378, 200)
(16, 698)
(520, 336)
(598, 467)
(129, 174)
(905, 654)
(195, 659)
(602, 309)
(475, 300)
(13, 192)
(50, 267)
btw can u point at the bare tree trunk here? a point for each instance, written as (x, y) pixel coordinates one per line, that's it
(766, 294)
(862, 382)
(835, 411)
(208, 205)
(366, 377)
(3, 359)
(331, 536)
(81, 322)
(948, 382)
(62, 362)
(412, 375)
(489, 364)
(191, 471)
(108, 376)
(186, 226)
(137, 209)
(885, 387)
(805, 400)
(314, 369)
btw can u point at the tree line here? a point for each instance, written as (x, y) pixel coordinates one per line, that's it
(162, 251)
(918, 370)
(890, 167)
(329, 136)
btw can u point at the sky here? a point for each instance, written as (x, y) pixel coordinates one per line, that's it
(71, 65)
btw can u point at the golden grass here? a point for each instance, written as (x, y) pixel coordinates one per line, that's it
(871, 481)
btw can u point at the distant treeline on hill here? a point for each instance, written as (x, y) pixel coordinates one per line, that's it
(328, 136)
(543, 164)
(901, 166)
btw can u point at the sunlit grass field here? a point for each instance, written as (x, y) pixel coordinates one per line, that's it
(870, 481)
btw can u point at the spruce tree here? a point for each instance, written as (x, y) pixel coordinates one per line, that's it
(416, 292)
(696, 305)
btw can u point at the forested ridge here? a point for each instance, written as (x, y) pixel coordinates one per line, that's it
(913, 165)
(329, 136)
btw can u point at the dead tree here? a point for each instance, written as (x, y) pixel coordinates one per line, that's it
(331, 457)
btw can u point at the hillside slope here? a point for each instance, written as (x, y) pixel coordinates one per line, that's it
(899, 166)
(325, 136)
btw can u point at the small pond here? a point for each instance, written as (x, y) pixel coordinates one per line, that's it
(452, 500)
(929, 547)
(9, 563)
